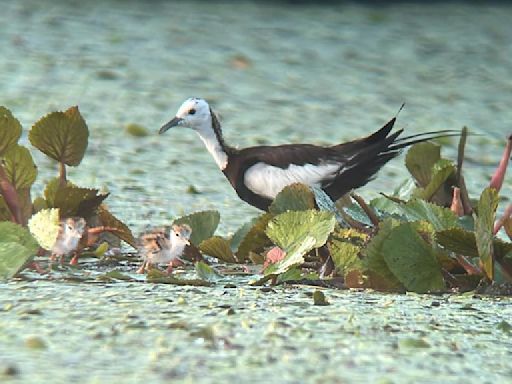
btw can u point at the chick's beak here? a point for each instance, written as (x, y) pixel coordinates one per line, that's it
(173, 123)
(187, 242)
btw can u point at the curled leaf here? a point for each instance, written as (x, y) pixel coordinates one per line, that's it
(219, 248)
(203, 225)
(294, 197)
(19, 167)
(17, 248)
(420, 159)
(499, 174)
(484, 225)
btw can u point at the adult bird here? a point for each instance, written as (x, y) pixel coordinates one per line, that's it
(259, 173)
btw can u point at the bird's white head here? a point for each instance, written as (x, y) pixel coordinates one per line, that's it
(194, 113)
(73, 228)
(180, 235)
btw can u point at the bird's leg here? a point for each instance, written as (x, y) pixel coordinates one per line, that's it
(142, 268)
(74, 259)
(36, 267)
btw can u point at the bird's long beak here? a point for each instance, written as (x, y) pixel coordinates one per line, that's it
(173, 123)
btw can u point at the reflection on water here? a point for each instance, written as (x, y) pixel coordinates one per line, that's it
(276, 73)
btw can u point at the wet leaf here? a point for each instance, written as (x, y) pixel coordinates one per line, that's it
(10, 130)
(377, 272)
(203, 225)
(63, 136)
(45, 226)
(345, 256)
(420, 159)
(109, 220)
(319, 298)
(504, 326)
(255, 239)
(484, 225)
(291, 227)
(219, 248)
(296, 233)
(136, 130)
(206, 272)
(115, 275)
(35, 342)
(17, 248)
(294, 197)
(412, 260)
(324, 203)
(19, 167)
(440, 217)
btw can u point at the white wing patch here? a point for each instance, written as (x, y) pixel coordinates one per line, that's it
(267, 180)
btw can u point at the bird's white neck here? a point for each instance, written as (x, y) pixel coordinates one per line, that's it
(214, 146)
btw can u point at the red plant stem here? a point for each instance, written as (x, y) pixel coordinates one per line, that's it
(11, 196)
(499, 174)
(100, 229)
(499, 223)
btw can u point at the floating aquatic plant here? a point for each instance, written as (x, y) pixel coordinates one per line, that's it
(62, 136)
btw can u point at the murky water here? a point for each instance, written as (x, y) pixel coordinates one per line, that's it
(276, 73)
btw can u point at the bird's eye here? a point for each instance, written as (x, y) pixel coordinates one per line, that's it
(192, 111)
(177, 235)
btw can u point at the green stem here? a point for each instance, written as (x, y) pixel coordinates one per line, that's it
(62, 174)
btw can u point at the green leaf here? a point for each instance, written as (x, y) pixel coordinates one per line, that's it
(158, 277)
(319, 298)
(5, 213)
(294, 256)
(345, 256)
(290, 227)
(10, 130)
(17, 248)
(19, 167)
(294, 197)
(377, 271)
(420, 159)
(458, 240)
(484, 223)
(441, 171)
(241, 233)
(219, 248)
(45, 226)
(255, 239)
(412, 260)
(206, 272)
(63, 136)
(298, 232)
(76, 201)
(440, 217)
(123, 232)
(203, 225)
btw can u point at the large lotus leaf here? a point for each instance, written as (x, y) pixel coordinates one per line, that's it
(63, 136)
(241, 233)
(484, 229)
(10, 130)
(420, 159)
(345, 256)
(44, 226)
(255, 239)
(19, 167)
(291, 227)
(122, 231)
(294, 197)
(440, 217)
(294, 255)
(412, 260)
(219, 248)
(203, 225)
(76, 201)
(17, 248)
(377, 272)
(441, 171)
